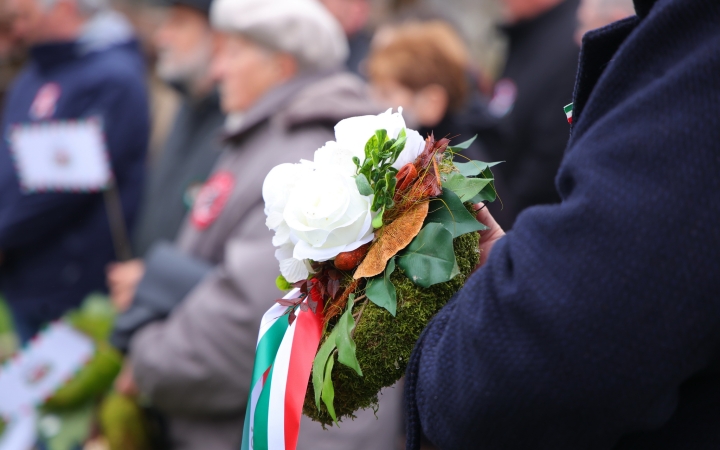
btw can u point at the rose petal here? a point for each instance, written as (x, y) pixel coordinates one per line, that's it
(337, 158)
(293, 270)
(279, 183)
(304, 251)
(282, 235)
(414, 145)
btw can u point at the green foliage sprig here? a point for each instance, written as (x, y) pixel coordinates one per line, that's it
(376, 175)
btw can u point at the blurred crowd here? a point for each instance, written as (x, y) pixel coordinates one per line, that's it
(199, 99)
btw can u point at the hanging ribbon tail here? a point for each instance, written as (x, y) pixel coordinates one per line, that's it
(280, 377)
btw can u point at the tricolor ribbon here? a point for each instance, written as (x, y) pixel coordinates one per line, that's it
(569, 113)
(283, 362)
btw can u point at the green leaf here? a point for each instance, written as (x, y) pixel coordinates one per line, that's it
(344, 340)
(487, 194)
(318, 370)
(449, 211)
(382, 137)
(465, 188)
(462, 146)
(363, 185)
(370, 147)
(474, 168)
(328, 391)
(430, 257)
(456, 270)
(381, 291)
(377, 222)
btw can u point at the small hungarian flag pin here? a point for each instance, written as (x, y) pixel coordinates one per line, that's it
(569, 112)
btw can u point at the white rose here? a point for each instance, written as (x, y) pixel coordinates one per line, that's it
(276, 189)
(353, 133)
(327, 215)
(291, 268)
(414, 145)
(340, 158)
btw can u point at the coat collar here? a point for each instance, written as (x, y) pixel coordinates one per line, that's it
(272, 102)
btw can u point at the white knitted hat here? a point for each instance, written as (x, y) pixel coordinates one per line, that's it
(303, 28)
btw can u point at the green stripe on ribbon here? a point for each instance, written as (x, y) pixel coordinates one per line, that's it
(262, 410)
(568, 108)
(264, 357)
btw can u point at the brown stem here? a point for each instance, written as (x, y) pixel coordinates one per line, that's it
(352, 334)
(335, 308)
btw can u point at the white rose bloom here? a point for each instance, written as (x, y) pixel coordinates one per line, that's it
(333, 155)
(292, 269)
(315, 208)
(353, 133)
(276, 190)
(414, 145)
(327, 215)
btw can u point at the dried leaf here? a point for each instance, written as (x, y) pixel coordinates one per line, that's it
(395, 237)
(407, 174)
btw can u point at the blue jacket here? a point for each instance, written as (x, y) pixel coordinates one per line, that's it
(595, 323)
(57, 245)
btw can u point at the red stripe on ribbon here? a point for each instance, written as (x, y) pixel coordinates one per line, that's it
(265, 375)
(304, 347)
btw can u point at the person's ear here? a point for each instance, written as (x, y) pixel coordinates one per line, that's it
(431, 104)
(286, 66)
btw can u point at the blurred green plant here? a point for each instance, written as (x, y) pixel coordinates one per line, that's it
(8, 340)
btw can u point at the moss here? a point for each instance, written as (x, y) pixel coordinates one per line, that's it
(384, 342)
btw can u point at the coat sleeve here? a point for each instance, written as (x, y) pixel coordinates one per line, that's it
(170, 275)
(123, 106)
(199, 361)
(590, 314)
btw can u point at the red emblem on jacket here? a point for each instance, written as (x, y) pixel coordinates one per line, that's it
(211, 200)
(45, 103)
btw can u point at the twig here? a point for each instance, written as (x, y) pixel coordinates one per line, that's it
(352, 334)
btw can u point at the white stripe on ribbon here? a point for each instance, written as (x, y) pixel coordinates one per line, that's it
(268, 320)
(276, 426)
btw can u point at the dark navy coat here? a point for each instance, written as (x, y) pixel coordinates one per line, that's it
(595, 323)
(56, 245)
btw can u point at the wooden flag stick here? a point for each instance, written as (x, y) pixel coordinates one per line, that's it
(116, 218)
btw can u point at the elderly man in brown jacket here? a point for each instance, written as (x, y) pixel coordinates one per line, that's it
(279, 84)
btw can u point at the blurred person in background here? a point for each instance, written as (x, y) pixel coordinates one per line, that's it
(283, 91)
(11, 55)
(424, 67)
(83, 62)
(353, 16)
(594, 14)
(184, 44)
(537, 82)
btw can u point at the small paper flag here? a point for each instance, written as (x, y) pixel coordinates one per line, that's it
(64, 156)
(569, 113)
